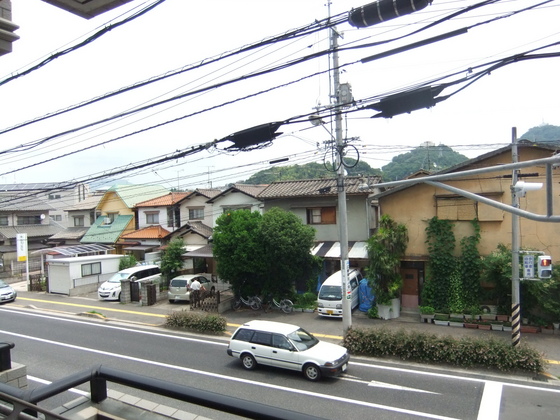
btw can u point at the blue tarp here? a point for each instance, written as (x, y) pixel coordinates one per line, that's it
(367, 298)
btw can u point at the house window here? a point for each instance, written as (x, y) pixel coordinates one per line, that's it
(170, 217)
(110, 218)
(152, 218)
(54, 196)
(321, 216)
(197, 213)
(29, 220)
(91, 269)
(56, 217)
(3, 220)
(78, 221)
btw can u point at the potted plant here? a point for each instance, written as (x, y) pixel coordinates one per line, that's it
(456, 321)
(385, 251)
(484, 325)
(427, 313)
(497, 325)
(506, 326)
(441, 319)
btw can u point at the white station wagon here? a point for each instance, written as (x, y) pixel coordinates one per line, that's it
(286, 346)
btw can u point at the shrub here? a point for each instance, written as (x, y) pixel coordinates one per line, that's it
(431, 348)
(209, 323)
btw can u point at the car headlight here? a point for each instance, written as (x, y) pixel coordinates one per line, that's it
(320, 304)
(339, 306)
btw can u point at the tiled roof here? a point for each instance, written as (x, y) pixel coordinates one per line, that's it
(201, 229)
(35, 186)
(150, 232)
(248, 189)
(132, 194)
(70, 233)
(23, 203)
(106, 234)
(89, 203)
(208, 193)
(164, 200)
(319, 187)
(33, 231)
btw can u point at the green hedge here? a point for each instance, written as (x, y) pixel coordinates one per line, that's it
(431, 348)
(208, 323)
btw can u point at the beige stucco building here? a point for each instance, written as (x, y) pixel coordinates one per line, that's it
(415, 205)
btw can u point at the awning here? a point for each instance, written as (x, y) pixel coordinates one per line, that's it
(331, 249)
(202, 252)
(75, 249)
(140, 248)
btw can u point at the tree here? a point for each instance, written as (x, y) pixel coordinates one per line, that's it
(262, 254)
(543, 133)
(172, 258)
(286, 243)
(385, 250)
(127, 261)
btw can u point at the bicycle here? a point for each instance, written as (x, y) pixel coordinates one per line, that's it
(285, 305)
(253, 302)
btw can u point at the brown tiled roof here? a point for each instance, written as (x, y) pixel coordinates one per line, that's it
(150, 232)
(201, 229)
(208, 193)
(319, 187)
(164, 200)
(248, 189)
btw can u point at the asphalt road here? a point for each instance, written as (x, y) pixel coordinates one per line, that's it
(53, 342)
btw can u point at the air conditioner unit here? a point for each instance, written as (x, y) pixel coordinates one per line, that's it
(107, 221)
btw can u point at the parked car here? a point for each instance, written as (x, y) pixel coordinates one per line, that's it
(7, 292)
(286, 346)
(111, 289)
(179, 287)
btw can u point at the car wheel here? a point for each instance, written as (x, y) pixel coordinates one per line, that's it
(171, 301)
(119, 297)
(248, 361)
(312, 372)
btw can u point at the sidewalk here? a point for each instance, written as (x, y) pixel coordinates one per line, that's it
(325, 328)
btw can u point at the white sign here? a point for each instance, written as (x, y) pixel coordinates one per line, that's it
(528, 266)
(21, 245)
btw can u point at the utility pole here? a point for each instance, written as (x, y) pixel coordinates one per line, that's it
(515, 295)
(342, 214)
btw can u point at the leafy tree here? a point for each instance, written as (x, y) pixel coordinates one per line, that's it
(470, 266)
(172, 258)
(385, 250)
(286, 242)
(262, 254)
(237, 250)
(429, 158)
(127, 261)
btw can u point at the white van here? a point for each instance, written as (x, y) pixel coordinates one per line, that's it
(329, 301)
(111, 289)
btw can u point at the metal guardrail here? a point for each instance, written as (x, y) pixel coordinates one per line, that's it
(24, 400)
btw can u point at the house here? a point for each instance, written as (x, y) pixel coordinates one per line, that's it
(80, 218)
(117, 216)
(27, 215)
(163, 211)
(144, 243)
(414, 205)
(315, 202)
(236, 197)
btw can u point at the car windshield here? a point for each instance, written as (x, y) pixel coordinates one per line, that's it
(117, 277)
(330, 293)
(302, 339)
(3, 284)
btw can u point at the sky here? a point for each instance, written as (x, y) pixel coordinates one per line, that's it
(180, 35)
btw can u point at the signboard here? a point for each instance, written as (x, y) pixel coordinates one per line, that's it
(529, 266)
(21, 245)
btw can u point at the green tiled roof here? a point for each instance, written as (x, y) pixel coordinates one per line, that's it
(99, 233)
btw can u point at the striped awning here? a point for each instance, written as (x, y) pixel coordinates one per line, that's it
(331, 249)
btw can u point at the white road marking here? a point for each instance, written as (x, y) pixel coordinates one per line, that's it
(230, 378)
(491, 400)
(384, 385)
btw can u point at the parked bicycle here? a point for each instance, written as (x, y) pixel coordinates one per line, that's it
(285, 305)
(253, 302)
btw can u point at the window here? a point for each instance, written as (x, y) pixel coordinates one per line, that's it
(54, 196)
(56, 217)
(91, 269)
(152, 218)
(29, 220)
(110, 218)
(197, 213)
(321, 216)
(3, 220)
(261, 337)
(78, 220)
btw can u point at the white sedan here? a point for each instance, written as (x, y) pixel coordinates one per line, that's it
(286, 346)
